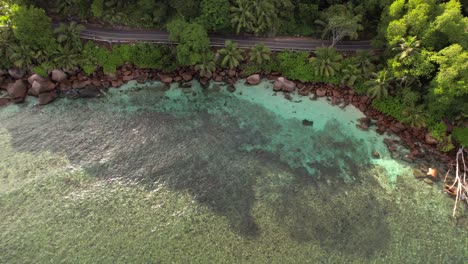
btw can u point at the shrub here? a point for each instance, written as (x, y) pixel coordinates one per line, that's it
(390, 105)
(43, 69)
(294, 65)
(460, 134)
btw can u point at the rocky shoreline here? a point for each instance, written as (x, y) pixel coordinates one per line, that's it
(17, 84)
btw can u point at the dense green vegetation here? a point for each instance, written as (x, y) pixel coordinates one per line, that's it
(420, 78)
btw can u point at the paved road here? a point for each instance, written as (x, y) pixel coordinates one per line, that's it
(156, 36)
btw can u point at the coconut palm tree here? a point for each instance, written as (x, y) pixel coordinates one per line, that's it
(407, 47)
(66, 58)
(264, 14)
(231, 55)
(414, 116)
(69, 35)
(242, 16)
(206, 65)
(326, 62)
(350, 74)
(22, 56)
(364, 62)
(379, 85)
(259, 53)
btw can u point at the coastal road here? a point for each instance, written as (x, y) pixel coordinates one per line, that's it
(161, 37)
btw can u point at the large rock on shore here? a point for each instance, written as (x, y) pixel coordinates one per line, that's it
(46, 98)
(165, 78)
(17, 90)
(4, 101)
(321, 92)
(430, 139)
(282, 84)
(16, 73)
(41, 87)
(58, 75)
(36, 77)
(253, 79)
(187, 76)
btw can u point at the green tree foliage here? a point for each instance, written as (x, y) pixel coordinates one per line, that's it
(351, 74)
(69, 35)
(364, 62)
(449, 88)
(192, 41)
(327, 62)
(66, 58)
(407, 47)
(414, 116)
(215, 15)
(97, 8)
(7, 44)
(22, 56)
(186, 9)
(379, 85)
(242, 16)
(390, 105)
(461, 135)
(32, 28)
(338, 22)
(256, 16)
(207, 66)
(231, 56)
(259, 54)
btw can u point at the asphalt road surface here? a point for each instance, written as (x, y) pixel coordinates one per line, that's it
(278, 43)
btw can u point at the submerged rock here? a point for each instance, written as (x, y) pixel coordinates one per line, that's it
(375, 154)
(306, 122)
(58, 75)
(46, 98)
(231, 88)
(418, 174)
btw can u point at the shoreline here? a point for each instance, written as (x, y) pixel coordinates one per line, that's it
(76, 84)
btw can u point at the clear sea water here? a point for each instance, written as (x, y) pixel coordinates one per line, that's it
(158, 174)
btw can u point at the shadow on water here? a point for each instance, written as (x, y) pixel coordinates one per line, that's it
(203, 154)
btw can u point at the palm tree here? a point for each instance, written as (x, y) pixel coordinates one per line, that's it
(260, 53)
(69, 35)
(207, 65)
(326, 62)
(350, 74)
(264, 14)
(231, 55)
(242, 16)
(22, 56)
(414, 116)
(66, 58)
(7, 42)
(364, 62)
(379, 85)
(407, 47)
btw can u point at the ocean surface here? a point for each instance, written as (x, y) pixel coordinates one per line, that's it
(157, 174)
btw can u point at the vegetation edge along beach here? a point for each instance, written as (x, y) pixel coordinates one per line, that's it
(416, 87)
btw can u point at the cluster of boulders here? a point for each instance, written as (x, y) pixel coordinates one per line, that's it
(75, 83)
(417, 140)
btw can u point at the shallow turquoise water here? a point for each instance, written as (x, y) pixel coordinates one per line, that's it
(282, 191)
